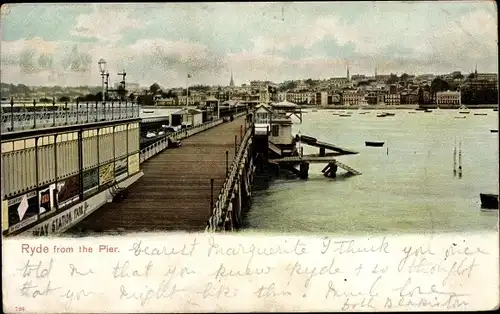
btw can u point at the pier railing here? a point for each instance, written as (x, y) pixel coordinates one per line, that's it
(220, 212)
(160, 145)
(39, 116)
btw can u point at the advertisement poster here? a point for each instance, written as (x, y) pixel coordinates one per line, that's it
(90, 181)
(46, 196)
(106, 174)
(133, 164)
(22, 210)
(68, 191)
(121, 169)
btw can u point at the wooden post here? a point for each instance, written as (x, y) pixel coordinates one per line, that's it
(34, 114)
(322, 152)
(235, 144)
(53, 111)
(12, 113)
(227, 162)
(241, 133)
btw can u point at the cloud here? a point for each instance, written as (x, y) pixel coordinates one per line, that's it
(275, 41)
(106, 23)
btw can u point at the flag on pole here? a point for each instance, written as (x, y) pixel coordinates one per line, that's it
(189, 75)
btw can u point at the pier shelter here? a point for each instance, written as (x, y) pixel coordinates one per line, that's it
(60, 165)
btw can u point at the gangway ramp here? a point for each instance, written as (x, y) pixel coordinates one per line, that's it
(311, 141)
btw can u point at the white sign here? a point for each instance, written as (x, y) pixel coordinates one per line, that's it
(63, 220)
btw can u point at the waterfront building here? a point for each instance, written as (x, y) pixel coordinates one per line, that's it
(321, 98)
(448, 99)
(351, 98)
(187, 117)
(409, 98)
(299, 98)
(393, 99)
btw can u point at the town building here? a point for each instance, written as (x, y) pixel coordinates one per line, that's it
(351, 98)
(393, 99)
(321, 98)
(448, 99)
(299, 98)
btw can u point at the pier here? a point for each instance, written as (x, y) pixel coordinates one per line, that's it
(176, 191)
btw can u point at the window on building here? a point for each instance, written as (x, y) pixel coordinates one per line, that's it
(275, 130)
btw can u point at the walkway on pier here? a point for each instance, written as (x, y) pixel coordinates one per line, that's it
(174, 193)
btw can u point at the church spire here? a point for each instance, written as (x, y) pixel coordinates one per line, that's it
(348, 77)
(475, 70)
(231, 83)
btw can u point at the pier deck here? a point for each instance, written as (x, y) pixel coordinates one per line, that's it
(174, 193)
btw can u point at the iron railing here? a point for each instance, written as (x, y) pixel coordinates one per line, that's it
(220, 212)
(162, 144)
(35, 116)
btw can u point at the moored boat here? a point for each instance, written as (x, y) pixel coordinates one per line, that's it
(381, 115)
(462, 117)
(427, 110)
(464, 112)
(493, 131)
(390, 114)
(374, 144)
(480, 114)
(344, 115)
(148, 111)
(489, 201)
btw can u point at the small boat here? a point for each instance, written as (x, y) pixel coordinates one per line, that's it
(381, 115)
(390, 114)
(495, 109)
(344, 115)
(463, 117)
(464, 112)
(480, 114)
(493, 131)
(489, 201)
(150, 134)
(427, 110)
(420, 109)
(411, 112)
(374, 144)
(148, 111)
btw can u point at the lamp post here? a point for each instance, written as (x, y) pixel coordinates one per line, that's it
(103, 69)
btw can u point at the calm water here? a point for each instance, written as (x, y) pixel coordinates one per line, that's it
(409, 187)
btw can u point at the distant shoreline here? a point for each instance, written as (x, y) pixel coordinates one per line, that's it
(402, 107)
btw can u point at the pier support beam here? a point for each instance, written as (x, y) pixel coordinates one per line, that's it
(331, 170)
(304, 170)
(322, 152)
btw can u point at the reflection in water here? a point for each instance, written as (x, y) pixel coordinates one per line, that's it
(407, 186)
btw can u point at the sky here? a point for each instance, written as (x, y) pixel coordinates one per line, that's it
(61, 44)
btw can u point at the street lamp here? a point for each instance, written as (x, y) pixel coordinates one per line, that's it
(103, 69)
